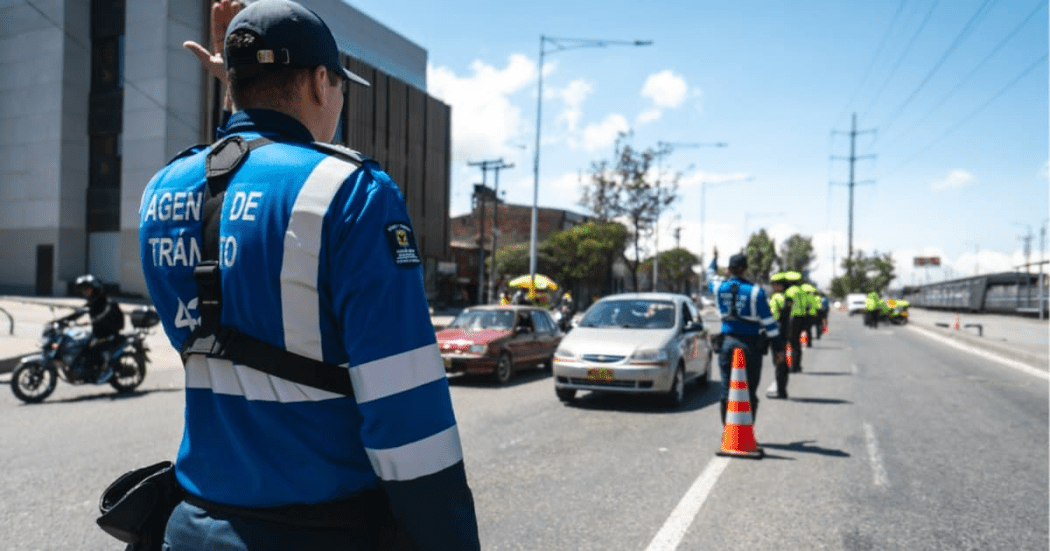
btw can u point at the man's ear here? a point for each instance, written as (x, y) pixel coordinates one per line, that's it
(319, 85)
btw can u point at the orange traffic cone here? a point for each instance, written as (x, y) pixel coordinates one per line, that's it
(824, 328)
(738, 438)
(803, 339)
(956, 324)
(787, 353)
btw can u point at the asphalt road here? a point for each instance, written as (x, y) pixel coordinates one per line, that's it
(891, 440)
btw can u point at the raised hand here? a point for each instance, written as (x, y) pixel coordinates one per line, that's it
(222, 12)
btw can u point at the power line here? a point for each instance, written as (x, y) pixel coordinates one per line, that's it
(948, 132)
(903, 55)
(1038, 7)
(970, 25)
(875, 57)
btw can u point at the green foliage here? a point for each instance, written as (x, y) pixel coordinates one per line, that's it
(761, 253)
(676, 269)
(629, 189)
(864, 274)
(513, 260)
(585, 253)
(797, 253)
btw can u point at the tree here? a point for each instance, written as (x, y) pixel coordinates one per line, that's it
(627, 190)
(676, 267)
(585, 253)
(872, 273)
(761, 253)
(513, 260)
(797, 253)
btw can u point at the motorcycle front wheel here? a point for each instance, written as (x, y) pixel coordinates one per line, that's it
(128, 372)
(32, 381)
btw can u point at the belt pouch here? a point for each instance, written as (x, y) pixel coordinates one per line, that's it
(135, 507)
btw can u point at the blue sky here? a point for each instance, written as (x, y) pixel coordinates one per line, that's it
(956, 91)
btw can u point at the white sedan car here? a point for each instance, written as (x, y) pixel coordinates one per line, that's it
(639, 343)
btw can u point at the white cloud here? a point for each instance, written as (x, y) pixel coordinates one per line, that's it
(604, 134)
(573, 97)
(956, 179)
(484, 119)
(1044, 171)
(666, 89)
(649, 115)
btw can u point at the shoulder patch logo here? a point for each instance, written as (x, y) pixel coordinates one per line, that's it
(402, 245)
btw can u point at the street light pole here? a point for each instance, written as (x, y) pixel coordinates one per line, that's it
(669, 147)
(559, 44)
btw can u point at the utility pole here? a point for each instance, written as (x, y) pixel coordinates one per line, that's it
(853, 133)
(494, 166)
(1042, 260)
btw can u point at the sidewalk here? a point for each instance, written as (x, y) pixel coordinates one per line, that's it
(1025, 339)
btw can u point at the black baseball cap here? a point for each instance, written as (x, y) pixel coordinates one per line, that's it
(738, 261)
(289, 34)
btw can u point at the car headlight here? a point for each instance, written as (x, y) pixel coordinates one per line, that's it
(564, 354)
(477, 348)
(650, 355)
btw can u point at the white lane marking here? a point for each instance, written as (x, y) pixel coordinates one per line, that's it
(1022, 367)
(878, 472)
(671, 533)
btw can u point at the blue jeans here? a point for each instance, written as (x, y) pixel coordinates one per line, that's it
(190, 528)
(752, 363)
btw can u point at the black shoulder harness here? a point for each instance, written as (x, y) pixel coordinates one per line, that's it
(210, 338)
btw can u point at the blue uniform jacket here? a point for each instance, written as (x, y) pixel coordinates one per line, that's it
(318, 256)
(752, 307)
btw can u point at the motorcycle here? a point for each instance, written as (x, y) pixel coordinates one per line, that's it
(563, 318)
(62, 355)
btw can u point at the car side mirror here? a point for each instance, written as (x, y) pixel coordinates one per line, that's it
(694, 326)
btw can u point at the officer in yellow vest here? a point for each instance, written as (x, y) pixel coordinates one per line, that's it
(811, 311)
(799, 311)
(780, 306)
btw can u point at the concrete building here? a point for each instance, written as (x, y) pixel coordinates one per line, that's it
(97, 95)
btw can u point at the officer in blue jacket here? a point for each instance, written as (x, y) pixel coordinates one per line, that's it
(746, 321)
(317, 256)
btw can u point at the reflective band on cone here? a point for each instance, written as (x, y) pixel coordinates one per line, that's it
(787, 352)
(738, 437)
(803, 339)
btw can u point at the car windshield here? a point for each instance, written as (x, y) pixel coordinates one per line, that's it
(639, 314)
(476, 320)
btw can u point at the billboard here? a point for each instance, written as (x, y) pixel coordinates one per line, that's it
(927, 261)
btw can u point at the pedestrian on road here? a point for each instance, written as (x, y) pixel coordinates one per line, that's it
(316, 262)
(746, 322)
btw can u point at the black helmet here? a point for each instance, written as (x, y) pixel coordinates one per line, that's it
(88, 280)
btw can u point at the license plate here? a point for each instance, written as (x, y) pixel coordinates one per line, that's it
(600, 374)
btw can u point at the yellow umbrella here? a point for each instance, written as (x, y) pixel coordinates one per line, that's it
(543, 283)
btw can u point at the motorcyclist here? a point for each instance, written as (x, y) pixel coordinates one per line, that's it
(567, 308)
(106, 321)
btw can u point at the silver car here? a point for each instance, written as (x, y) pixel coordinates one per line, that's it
(641, 343)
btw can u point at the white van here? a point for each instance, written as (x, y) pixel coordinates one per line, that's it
(855, 303)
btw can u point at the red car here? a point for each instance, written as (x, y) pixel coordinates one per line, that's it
(499, 340)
